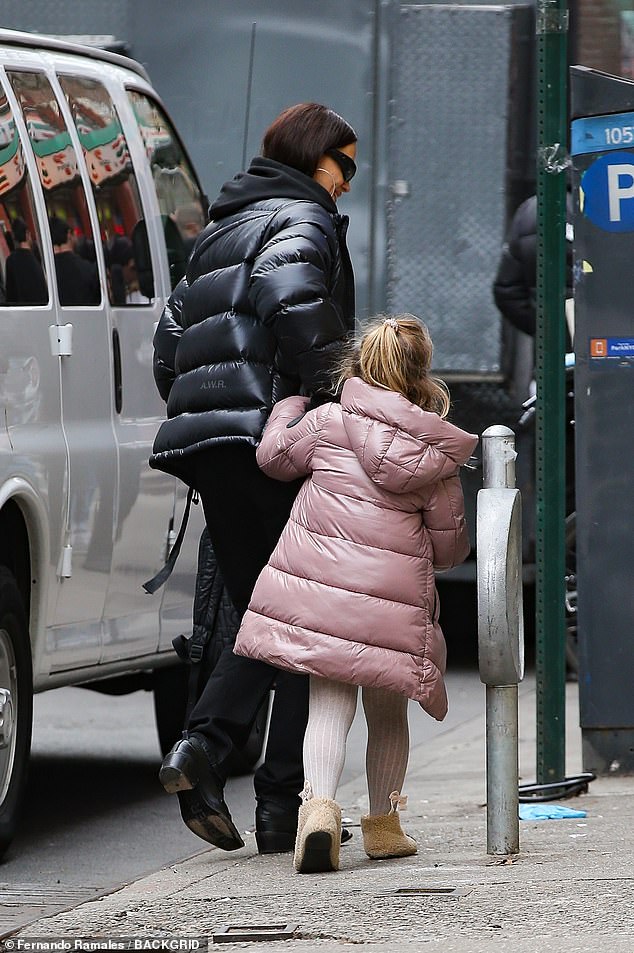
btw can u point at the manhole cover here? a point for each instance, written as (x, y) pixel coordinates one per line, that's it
(39, 894)
(244, 932)
(450, 892)
(21, 904)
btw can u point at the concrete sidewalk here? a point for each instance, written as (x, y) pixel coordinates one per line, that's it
(569, 889)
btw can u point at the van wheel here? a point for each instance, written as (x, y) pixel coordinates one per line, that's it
(170, 702)
(16, 705)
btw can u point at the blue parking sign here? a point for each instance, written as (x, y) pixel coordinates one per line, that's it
(608, 187)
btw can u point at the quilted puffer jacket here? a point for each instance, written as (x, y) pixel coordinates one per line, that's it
(516, 278)
(267, 301)
(349, 592)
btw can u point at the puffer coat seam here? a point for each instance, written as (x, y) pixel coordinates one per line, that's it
(323, 419)
(450, 503)
(367, 437)
(203, 444)
(361, 499)
(234, 408)
(329, 585)
(346, 539)
(414, 472)
(286, 234)
(253, 362)
(357, 499)
(414, 656)
(386, 451)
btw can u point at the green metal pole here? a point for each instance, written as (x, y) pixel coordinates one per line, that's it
(552, 25)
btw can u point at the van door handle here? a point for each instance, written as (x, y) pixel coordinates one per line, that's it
(116, 360)
(61, 338)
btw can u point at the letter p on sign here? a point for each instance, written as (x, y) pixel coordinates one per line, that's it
(620, 187)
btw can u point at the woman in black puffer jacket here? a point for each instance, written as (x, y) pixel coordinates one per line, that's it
(263, 312)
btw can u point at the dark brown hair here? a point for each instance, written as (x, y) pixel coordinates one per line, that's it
(395, 353)
(301, 134)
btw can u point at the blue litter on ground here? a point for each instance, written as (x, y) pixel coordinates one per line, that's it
(547, 812)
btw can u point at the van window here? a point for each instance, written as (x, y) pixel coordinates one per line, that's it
(66, 204)
(22, 274)
(113, 183)
(179, 196)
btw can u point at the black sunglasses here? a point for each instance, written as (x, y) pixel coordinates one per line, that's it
(346, 164)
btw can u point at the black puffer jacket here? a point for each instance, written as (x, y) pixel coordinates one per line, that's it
(266, 304)
(516, 278)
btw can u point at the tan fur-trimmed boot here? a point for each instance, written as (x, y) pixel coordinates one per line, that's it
(318, 834)
(383, 835)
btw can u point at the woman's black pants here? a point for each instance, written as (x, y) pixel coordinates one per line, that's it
(245, 512)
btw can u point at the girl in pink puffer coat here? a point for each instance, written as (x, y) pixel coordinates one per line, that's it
(348, 595)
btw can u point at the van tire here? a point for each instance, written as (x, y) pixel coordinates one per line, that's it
(16, 720)
(170, 702)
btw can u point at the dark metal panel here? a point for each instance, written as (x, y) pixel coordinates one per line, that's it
(106, 17)
(594, 92)
(604, 415)
(448, 168)
(303, 51)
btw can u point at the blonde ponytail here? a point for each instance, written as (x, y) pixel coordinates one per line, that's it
(395, 353)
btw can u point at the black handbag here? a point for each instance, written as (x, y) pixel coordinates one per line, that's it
(215, 623)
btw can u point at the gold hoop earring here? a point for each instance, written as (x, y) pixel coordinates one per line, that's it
(334, 181)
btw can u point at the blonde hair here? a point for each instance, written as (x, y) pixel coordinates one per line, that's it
(394, 352)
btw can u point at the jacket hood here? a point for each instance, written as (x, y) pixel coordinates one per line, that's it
(400, 446)
(268, 179)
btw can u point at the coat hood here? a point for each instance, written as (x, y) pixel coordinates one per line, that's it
(400, 446)
(268, 179)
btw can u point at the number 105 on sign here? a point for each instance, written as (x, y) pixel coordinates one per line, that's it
(619, 135)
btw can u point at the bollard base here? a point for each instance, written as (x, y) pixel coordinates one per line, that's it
(502, 770)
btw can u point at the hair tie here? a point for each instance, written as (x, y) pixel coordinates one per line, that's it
(392, 322)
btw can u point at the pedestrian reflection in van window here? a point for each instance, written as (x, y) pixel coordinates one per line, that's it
(85, 248)
(60, 177)
(177, 190)
(25, 281)
(22, 275)
(77, 279)
(113, 182)
(122, 273)
(190, 221)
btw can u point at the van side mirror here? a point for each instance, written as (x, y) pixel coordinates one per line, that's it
(143, 259)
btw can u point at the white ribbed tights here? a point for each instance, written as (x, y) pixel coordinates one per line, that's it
(332, 709)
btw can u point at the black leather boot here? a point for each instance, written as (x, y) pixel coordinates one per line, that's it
(188, 772)
(276, 828)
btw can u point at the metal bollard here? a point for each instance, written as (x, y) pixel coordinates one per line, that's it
(500, 632)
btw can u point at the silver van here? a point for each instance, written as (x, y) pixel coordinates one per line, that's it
(99, 206)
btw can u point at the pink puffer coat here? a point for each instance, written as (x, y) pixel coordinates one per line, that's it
(349, 592)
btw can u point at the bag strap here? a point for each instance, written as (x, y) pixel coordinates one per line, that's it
(192, 652)
(163, 574)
